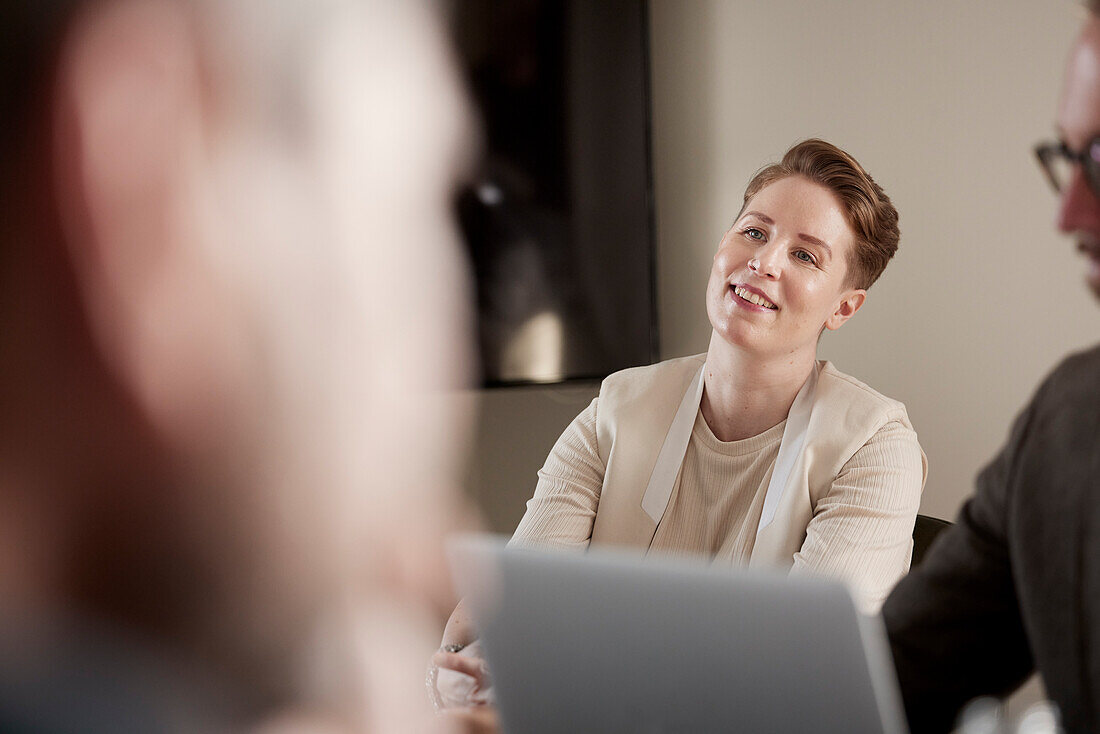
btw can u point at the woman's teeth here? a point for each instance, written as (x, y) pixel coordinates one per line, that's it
(752, 297)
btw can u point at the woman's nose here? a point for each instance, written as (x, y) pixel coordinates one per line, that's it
(765, 263)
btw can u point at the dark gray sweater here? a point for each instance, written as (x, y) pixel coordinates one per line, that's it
(1014, 587)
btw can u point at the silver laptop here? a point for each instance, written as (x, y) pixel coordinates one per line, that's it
(609, 642)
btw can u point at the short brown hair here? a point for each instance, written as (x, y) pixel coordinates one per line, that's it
(866, 206)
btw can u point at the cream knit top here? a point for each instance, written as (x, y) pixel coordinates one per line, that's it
(716, 503)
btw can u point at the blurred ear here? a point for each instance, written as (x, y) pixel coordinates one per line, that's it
(849, 304)
(127, 107)
(127, 127)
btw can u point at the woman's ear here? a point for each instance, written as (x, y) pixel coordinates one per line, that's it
(851, 302)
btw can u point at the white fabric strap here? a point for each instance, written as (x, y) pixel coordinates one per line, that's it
(659, 491)
(790, 448)
(671, 457)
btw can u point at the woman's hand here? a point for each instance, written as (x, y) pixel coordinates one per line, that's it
(459, 678)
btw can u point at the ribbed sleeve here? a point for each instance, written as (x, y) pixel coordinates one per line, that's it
(862, 529)
(562, 511)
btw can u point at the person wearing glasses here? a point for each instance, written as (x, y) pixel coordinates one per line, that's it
(1014, 587)
(754, 453)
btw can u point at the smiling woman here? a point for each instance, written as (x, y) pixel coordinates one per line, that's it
(779, 254)
(754, 453)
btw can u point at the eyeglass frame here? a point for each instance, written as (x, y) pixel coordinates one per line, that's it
(1046, 151)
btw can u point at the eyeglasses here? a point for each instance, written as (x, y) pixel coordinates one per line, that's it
(1058, 160)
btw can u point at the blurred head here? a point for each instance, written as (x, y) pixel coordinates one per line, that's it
(813, 234)
(231, 301)
(1078, 126)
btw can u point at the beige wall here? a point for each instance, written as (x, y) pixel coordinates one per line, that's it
(941, 101)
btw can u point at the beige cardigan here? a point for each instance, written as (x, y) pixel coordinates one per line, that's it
(635, 409)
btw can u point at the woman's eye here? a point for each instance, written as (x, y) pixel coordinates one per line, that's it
(804, 256)
(754, 234)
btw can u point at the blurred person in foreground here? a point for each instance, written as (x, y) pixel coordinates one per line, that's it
(230, 302)
(1014, 587)
(783, 461)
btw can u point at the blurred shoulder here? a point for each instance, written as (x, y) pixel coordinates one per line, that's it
(1076, 374)
(1067, 402)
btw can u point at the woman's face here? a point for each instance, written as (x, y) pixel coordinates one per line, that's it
(780, 272)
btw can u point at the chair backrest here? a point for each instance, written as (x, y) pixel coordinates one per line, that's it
(924, 532)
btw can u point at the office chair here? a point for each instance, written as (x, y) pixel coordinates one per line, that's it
(924, 532)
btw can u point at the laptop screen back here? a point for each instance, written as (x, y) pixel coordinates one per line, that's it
(605, 642)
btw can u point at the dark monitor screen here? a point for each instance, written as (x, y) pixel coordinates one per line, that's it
(558, 218)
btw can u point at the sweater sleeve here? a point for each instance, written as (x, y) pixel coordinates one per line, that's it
(563, 508)
(862, 529)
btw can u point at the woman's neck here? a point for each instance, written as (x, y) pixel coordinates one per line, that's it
(745, 394)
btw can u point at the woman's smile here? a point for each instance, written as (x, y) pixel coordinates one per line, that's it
(751, 298)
